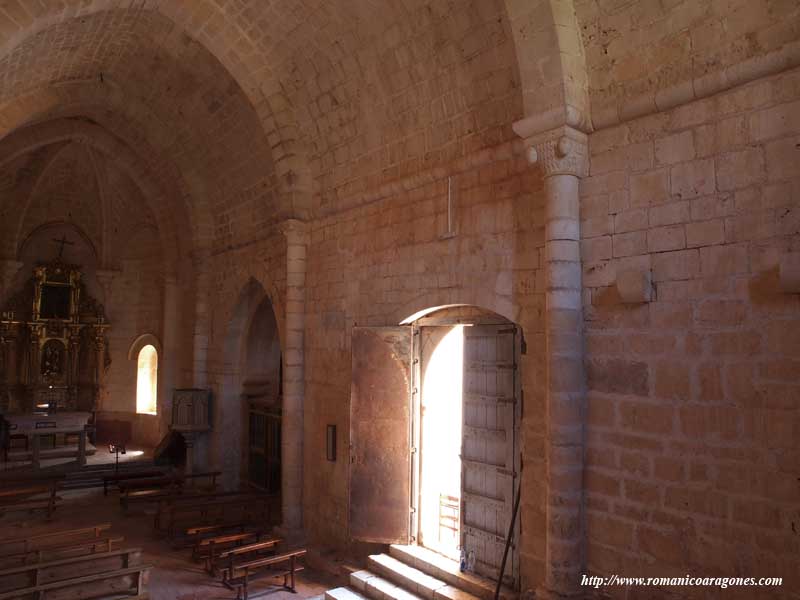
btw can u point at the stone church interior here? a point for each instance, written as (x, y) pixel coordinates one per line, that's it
(410, 300)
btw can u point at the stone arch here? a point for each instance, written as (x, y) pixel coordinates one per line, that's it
(146, 339)
(50, 224)
(552, 66)
(50, 132)
(227, 452)
(245, 62)
(34, 194)
(83, 103)
(450, 297)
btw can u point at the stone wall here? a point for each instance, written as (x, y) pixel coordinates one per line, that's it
(693, 428)
(647, 53)
(380, 263)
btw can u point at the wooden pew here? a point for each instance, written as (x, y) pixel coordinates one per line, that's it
(166, 482)
(53, 539)
(24, 498)
(92, 547)
(31, 575)
(254, 509)
(208, 548)
(189, 536)
(124, 476)
(147, 495)
(212, 475)
(129, 582)
(187, 501)
(283, 565)
(240, 553)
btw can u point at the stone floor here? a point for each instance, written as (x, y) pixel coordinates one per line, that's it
(173, 576)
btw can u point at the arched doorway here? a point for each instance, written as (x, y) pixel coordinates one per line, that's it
(249, 435)
(261, 395)
(466, 362)
(439, 400)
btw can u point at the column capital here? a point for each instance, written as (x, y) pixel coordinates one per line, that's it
(294, 230)
(560, 151)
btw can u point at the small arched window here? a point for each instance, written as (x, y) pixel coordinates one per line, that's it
(146, 381)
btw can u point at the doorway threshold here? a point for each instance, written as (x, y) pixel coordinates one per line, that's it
(443, 568)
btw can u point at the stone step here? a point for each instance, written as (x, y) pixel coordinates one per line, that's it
(376, 587)
(343, 593)
(414, 580)
(444, 569)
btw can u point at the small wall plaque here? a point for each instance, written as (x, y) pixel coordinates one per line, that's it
(330, 443)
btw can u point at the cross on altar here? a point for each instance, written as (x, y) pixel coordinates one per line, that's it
(63, 241)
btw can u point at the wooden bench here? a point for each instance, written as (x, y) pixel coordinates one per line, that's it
(283, 565)
(31, 575)
(189, 536)
(168, 482)
(228, 557)
(211, 510)
(150, 495)
(23, 498)
(212, 475)
(121, 582)
(92, 547)
(117, 478)
(209, 548)
(11, 546)
(141, 496)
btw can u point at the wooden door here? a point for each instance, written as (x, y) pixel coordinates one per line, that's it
(490, 456)
(380, 432)
(264, 450)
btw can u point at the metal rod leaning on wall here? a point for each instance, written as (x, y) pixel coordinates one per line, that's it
(508, 539)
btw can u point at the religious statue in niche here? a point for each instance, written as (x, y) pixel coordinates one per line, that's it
(53, 361)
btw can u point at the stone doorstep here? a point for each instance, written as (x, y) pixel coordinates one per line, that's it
(343, 593)
(406, 576)
(414, 573)
(444, 569)
(391, 579)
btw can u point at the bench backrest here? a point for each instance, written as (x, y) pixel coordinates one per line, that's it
(246, 549)
(133, 475)
(90, 586)
(212, 502)
(224, 539)
(67, 550)
(10, 493)
(43, 540)
(67, 568)
(189, 498)
(270, 560)
(146, 482)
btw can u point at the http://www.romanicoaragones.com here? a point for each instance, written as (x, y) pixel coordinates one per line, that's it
(597, 581)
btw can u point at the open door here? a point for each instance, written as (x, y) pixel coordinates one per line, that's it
(490, 452)
(380, 434)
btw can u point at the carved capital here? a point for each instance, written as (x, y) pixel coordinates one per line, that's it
(295, 231)
(560, 151)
